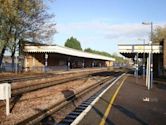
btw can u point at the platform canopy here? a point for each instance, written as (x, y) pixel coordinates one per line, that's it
(129, 50)
(63, 50)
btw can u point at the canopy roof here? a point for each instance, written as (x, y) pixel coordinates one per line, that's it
(129, 50)
(63, 50)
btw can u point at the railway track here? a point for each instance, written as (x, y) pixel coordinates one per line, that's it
(18, 92)
(34, 87)
(39, 76)
(40, 85)
(31, 88)
(26, 89)
(23, 78)
(19, 99)
(98, 87)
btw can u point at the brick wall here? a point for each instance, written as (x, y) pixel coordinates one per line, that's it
(109, 63)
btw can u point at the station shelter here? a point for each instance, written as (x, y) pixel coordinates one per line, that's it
(141, 51)
(55, 57)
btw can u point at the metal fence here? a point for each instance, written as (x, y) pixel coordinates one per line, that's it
(10, 68)
(47, 69)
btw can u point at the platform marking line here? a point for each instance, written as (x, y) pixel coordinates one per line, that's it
(102, 122)
(84, 113)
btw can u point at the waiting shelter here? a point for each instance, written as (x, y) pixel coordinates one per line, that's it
(55, 57)
(153, 58)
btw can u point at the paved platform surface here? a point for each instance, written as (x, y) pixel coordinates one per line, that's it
(133, 105)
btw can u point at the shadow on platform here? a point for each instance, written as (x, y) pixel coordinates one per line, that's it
(130, 114)
(108, 121)
(160, 85)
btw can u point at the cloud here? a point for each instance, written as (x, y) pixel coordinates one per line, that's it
(106, 30)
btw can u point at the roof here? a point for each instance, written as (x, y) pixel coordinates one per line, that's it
(63, 50)
(139, 48)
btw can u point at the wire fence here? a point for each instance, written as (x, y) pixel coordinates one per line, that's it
(18, 68)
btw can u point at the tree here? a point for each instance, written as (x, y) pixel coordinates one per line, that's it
(22, 20)
(115, 55)
(97, 52)
(159, 34)
(88, 50)
(73, 43)
(1, 44)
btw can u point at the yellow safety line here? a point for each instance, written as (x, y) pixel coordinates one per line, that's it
(110, 104)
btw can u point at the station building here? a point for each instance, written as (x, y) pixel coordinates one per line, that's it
(142, 50)
(55, 57)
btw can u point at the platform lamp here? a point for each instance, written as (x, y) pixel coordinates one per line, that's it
(46, 62)
(150, 54)
(16, 63)
(68, 63)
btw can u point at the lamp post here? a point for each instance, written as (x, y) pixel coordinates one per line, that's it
(68, 63)
(136, 60)
(150, 55)
(16, 63)
(151, 65)
(46, 62)
(83, 63)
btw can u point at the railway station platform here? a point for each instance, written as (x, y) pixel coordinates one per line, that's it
(129, 102)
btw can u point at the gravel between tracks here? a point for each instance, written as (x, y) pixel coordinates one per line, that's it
(54, 77)
(17, 85)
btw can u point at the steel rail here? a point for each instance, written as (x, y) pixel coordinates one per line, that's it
(31, 88)
(23, 90)
(47, 75)
(21, 79)
(18, 92)
(26, 89)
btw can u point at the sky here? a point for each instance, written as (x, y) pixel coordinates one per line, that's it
(103, 24)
